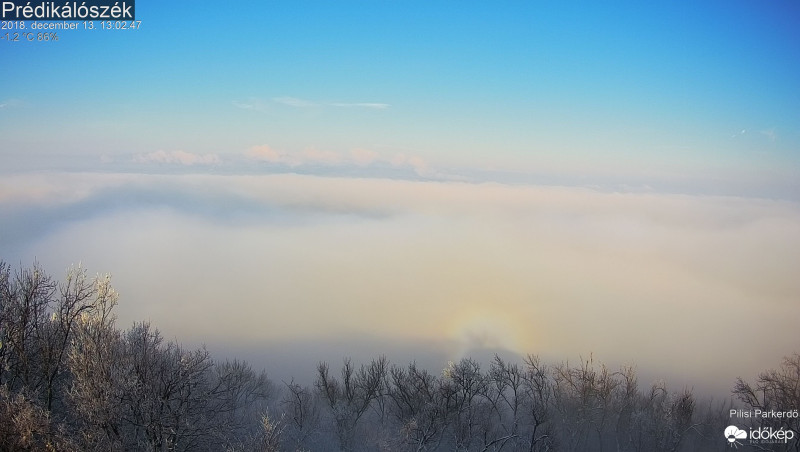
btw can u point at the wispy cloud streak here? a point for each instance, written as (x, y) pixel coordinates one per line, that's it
(296, 102)
(177, 157)
(8, 103)
(357, 157)
(250, 104)
(371, 105)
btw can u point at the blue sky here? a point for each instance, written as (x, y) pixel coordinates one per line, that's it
(623, 88)
(557, 178)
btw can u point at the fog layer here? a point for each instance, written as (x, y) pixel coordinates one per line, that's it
(693, 286)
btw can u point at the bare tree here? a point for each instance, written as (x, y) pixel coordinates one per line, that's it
(25, 426)
(100, 378)
(464, 388)
(71, 380)
(300, 406)
(778, 390)
(538, 387)
(38, 318)
(584, 396)
(237, 395)
(134, 390)
(27, 298)
(506, 395)
(268, 438)
(626, 404)
(62, 355)
(661, 421)
(270, 435)
(506, 380)
(350, 398)
(416, 402)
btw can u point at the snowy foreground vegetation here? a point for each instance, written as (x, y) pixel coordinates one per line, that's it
(71, 380)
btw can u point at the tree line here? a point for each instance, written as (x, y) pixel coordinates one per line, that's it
(72, 380)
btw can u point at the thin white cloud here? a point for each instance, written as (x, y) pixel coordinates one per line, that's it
(313, 155)
(250, 104)
(422, 168)
(265, 153)
(418, 164)
(310, 156)
(304, 103)
(358, 157)
(771, 134)
(370, 105)
(364, 157)
(8, 103)
(295, 102)
(177, 157)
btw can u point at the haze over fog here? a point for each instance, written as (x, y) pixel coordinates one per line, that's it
(430, 269)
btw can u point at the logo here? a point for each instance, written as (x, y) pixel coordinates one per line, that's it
(733, 434)
(762, 435)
